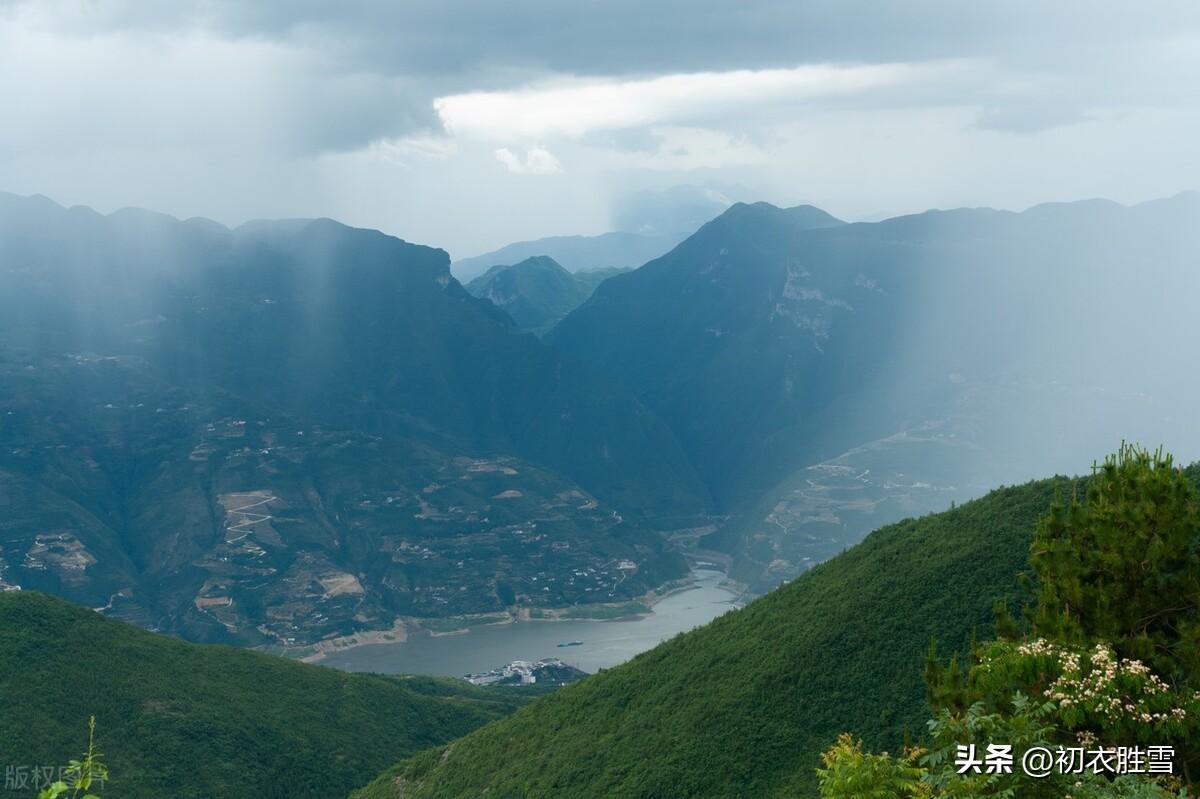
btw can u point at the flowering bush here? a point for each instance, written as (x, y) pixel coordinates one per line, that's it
(1095, 693)
(851, 773)
(1114, 660)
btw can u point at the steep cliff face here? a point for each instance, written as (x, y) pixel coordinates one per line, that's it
(825, 379)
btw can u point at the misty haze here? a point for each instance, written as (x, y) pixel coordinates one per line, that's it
(602, 399)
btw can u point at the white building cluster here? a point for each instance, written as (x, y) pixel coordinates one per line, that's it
(524, 670)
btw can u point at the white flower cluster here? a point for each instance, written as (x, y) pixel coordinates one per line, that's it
(1040, 647)
(1098, 690)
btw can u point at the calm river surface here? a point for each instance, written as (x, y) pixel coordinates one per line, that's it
(605, 643)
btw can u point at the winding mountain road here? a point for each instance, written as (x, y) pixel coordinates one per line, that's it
(249, 519)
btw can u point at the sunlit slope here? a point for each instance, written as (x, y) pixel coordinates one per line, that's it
(744, 706)
(187, 720)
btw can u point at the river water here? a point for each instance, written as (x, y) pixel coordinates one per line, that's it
(605, 643)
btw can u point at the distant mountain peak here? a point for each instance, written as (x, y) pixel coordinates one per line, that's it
(537, 291)
(804, 217)
(543, 260)
(534, 262)
(573, 253)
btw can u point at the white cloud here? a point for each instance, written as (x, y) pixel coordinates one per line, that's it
(576, 107)
(537, 161)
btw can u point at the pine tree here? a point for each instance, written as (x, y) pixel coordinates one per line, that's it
(1124, 566)
(1114, 654)
(1123, 569)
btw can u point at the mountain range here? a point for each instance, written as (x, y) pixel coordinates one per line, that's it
(646, 225)
(621, 250)
(295, 433)
(296, 430)
(827, 378)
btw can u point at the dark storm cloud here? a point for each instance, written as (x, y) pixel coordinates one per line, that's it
(392, 58)
(619, 37)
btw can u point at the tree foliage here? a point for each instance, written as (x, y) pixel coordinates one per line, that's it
(851, 773)
(1109, 656)
(1124, 566)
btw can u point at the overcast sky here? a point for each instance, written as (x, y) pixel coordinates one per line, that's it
(468, 125)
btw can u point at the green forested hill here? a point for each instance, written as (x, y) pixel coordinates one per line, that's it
(744, 706)
(187, 720)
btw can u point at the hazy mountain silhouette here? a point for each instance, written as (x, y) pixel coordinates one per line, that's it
(575, 253)
(163, 379)
(538, 292)
(827, 378)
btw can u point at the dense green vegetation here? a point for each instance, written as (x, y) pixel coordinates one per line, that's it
(187, 720)
(1107, 657)
(79, 776)
(745, 705)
